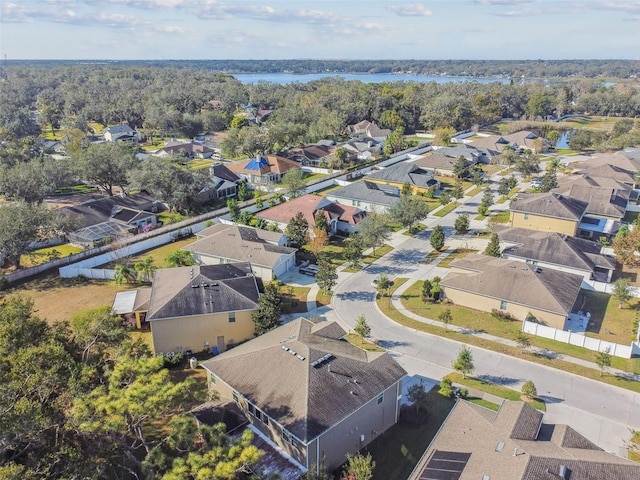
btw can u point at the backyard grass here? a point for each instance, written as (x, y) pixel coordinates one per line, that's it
(58, 299)
(328, 189)
(158, 254)
(456, 253)
(446, 209)
(167, 217)
(464, 317)
(609, 322)
(398, 450)
(309, 177)
(200, 164)
(80, 188)
(493, 389)
(44, 255)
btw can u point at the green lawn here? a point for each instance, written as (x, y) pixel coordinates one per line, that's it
(475, 191)
(484, 322)
(368, 259)
(608, 321)
(447, 209)
(493, 389)
(44, 255)
(294, 298)
(160, 253)
(416, 228)
(456, 253)
(500, 217)
(167, 217)
(398, 450)
(200, 163)
(358, 341)
(80, 188)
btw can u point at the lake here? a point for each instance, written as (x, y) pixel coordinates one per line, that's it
(283, 78)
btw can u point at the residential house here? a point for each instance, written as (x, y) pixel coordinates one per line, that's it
(223, 243)
(264, 169)
(133, 306)
(437, 162)
(487, 283)
(201, 307)
(514, 443)
(606, 207)
(121, 133)
(363, 149)
(565, 182)
(548, 212)
(620, 175)
(365, 128)
(518, 141)
(341, 218)
(558, 251)
(419, 179)
(224, 183)
(185, 149)
(110, 217)
(309, 391)
(369, 196)
(472, 154)
(628, 159)
(311, 155)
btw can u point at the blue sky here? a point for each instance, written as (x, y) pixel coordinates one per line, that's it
(346, 29)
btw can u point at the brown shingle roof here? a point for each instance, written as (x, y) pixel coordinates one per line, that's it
(200, 290)
(549, 205)
(513, 281)
(308, 205)
(305, 397)
(274, 164)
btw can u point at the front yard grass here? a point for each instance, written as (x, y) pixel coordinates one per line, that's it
(499, 217)
(398, 450)
(447, 209)
(493, 389)
(358, 341)
(369, 259)
(456, 253)
(416, 228)
(294, 299)
(480, 321)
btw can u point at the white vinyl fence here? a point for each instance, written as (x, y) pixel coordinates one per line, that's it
(572, 338)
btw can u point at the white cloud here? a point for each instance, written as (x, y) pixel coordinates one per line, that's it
(170, 29)
(410, 10)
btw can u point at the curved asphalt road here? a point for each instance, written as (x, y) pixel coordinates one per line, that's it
(601, 412)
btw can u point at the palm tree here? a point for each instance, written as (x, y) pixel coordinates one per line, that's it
(145, 269)
(124, 274)
(179, 258)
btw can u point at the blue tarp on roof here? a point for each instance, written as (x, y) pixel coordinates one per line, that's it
(257, 163)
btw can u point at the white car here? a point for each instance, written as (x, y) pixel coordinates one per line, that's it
(309, 270)
(536, 183)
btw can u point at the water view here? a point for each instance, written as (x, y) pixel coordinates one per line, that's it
(283, 78)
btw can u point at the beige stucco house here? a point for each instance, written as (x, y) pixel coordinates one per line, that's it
(222, 243)
(202, 307)
(488, 283)
(548, 212)
(309, 391)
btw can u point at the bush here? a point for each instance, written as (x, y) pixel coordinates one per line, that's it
(502, 315)
(446, 389)
(172, 359)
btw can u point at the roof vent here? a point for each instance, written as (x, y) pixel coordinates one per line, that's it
(292, 352)
(285, 348)
(562, 471)
(195, 286)
(500, 446)
(301, 357)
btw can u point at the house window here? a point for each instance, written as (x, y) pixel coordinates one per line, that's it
(235, 397)
(212, 377)
(252, 409)
(526, 216)
(380, 398)
(232, 317)
(503, 304)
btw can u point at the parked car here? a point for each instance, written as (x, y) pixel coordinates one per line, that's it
(536, 183)
(309, 270)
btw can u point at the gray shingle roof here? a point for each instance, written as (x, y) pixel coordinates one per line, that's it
(468, 429)
(513, 281)
(201, 290)
(554, 248)
(240, 244)
(602, 201)
(405, 172)
(549, 204)
(365, 191)
(303, 398)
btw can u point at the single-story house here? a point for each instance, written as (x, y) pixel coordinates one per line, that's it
(315, 395)
(471, 153)
(514, 443)
(558, 251)
(223, 243)
(369, 196)
(487, 283)
(109, 217)
(420, 179)
(264, 169)
(121, 133)
(438, 163)
(201, 307)
(341, 218)
(523, 140)
(133, 306)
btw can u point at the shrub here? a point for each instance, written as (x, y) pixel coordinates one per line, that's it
(446, 389)
(502, 315)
